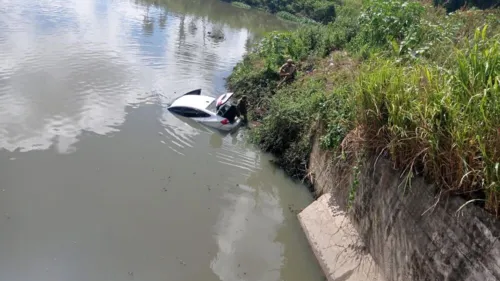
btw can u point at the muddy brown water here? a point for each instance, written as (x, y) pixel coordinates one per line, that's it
(98, 182)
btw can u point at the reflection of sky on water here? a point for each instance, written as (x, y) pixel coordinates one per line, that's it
(250, 216)
(69, 66)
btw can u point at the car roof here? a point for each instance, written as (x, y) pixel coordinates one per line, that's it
(194, 101)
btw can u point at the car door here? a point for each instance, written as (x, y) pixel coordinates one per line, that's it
(204, 117)
(199, 116)
(210, 120)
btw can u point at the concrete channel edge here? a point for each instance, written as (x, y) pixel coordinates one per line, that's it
(336, 243)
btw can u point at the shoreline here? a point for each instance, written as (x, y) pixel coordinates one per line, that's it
(359, 97)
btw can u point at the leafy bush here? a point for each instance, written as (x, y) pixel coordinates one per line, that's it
(315, 40)
(383, 22)
(254, 82)
(345, 27)
(338, 112)
(278, 46)
(285, 133)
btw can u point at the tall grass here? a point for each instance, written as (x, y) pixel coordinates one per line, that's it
(423, 85)
(443, 123)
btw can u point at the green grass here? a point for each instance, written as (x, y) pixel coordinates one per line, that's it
(241, 5)
(443, 122)
(419, 86)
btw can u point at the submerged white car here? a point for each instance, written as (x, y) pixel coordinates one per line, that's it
(218, 113)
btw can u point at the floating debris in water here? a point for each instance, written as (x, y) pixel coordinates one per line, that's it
(180, 261)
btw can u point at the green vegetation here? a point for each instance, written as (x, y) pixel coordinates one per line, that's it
(293, 18)
(405, 80)
(241, 5)
(322, 11)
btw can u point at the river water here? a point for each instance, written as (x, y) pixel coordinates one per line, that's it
(98, 182)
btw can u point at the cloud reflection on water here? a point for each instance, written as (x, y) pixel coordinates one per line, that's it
(73, 66)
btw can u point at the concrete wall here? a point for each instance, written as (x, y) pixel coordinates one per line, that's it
(336, 244)
(412, 235)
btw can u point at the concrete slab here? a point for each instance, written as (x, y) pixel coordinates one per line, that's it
(336, 243)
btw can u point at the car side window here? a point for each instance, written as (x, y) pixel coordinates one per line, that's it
(176, 110)
(200, 114)
(189, 112)
(179, 110)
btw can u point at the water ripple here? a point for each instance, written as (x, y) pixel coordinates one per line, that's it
(236, 157)
(179, 136)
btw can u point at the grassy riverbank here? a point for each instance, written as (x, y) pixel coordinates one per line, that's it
(417, 85)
